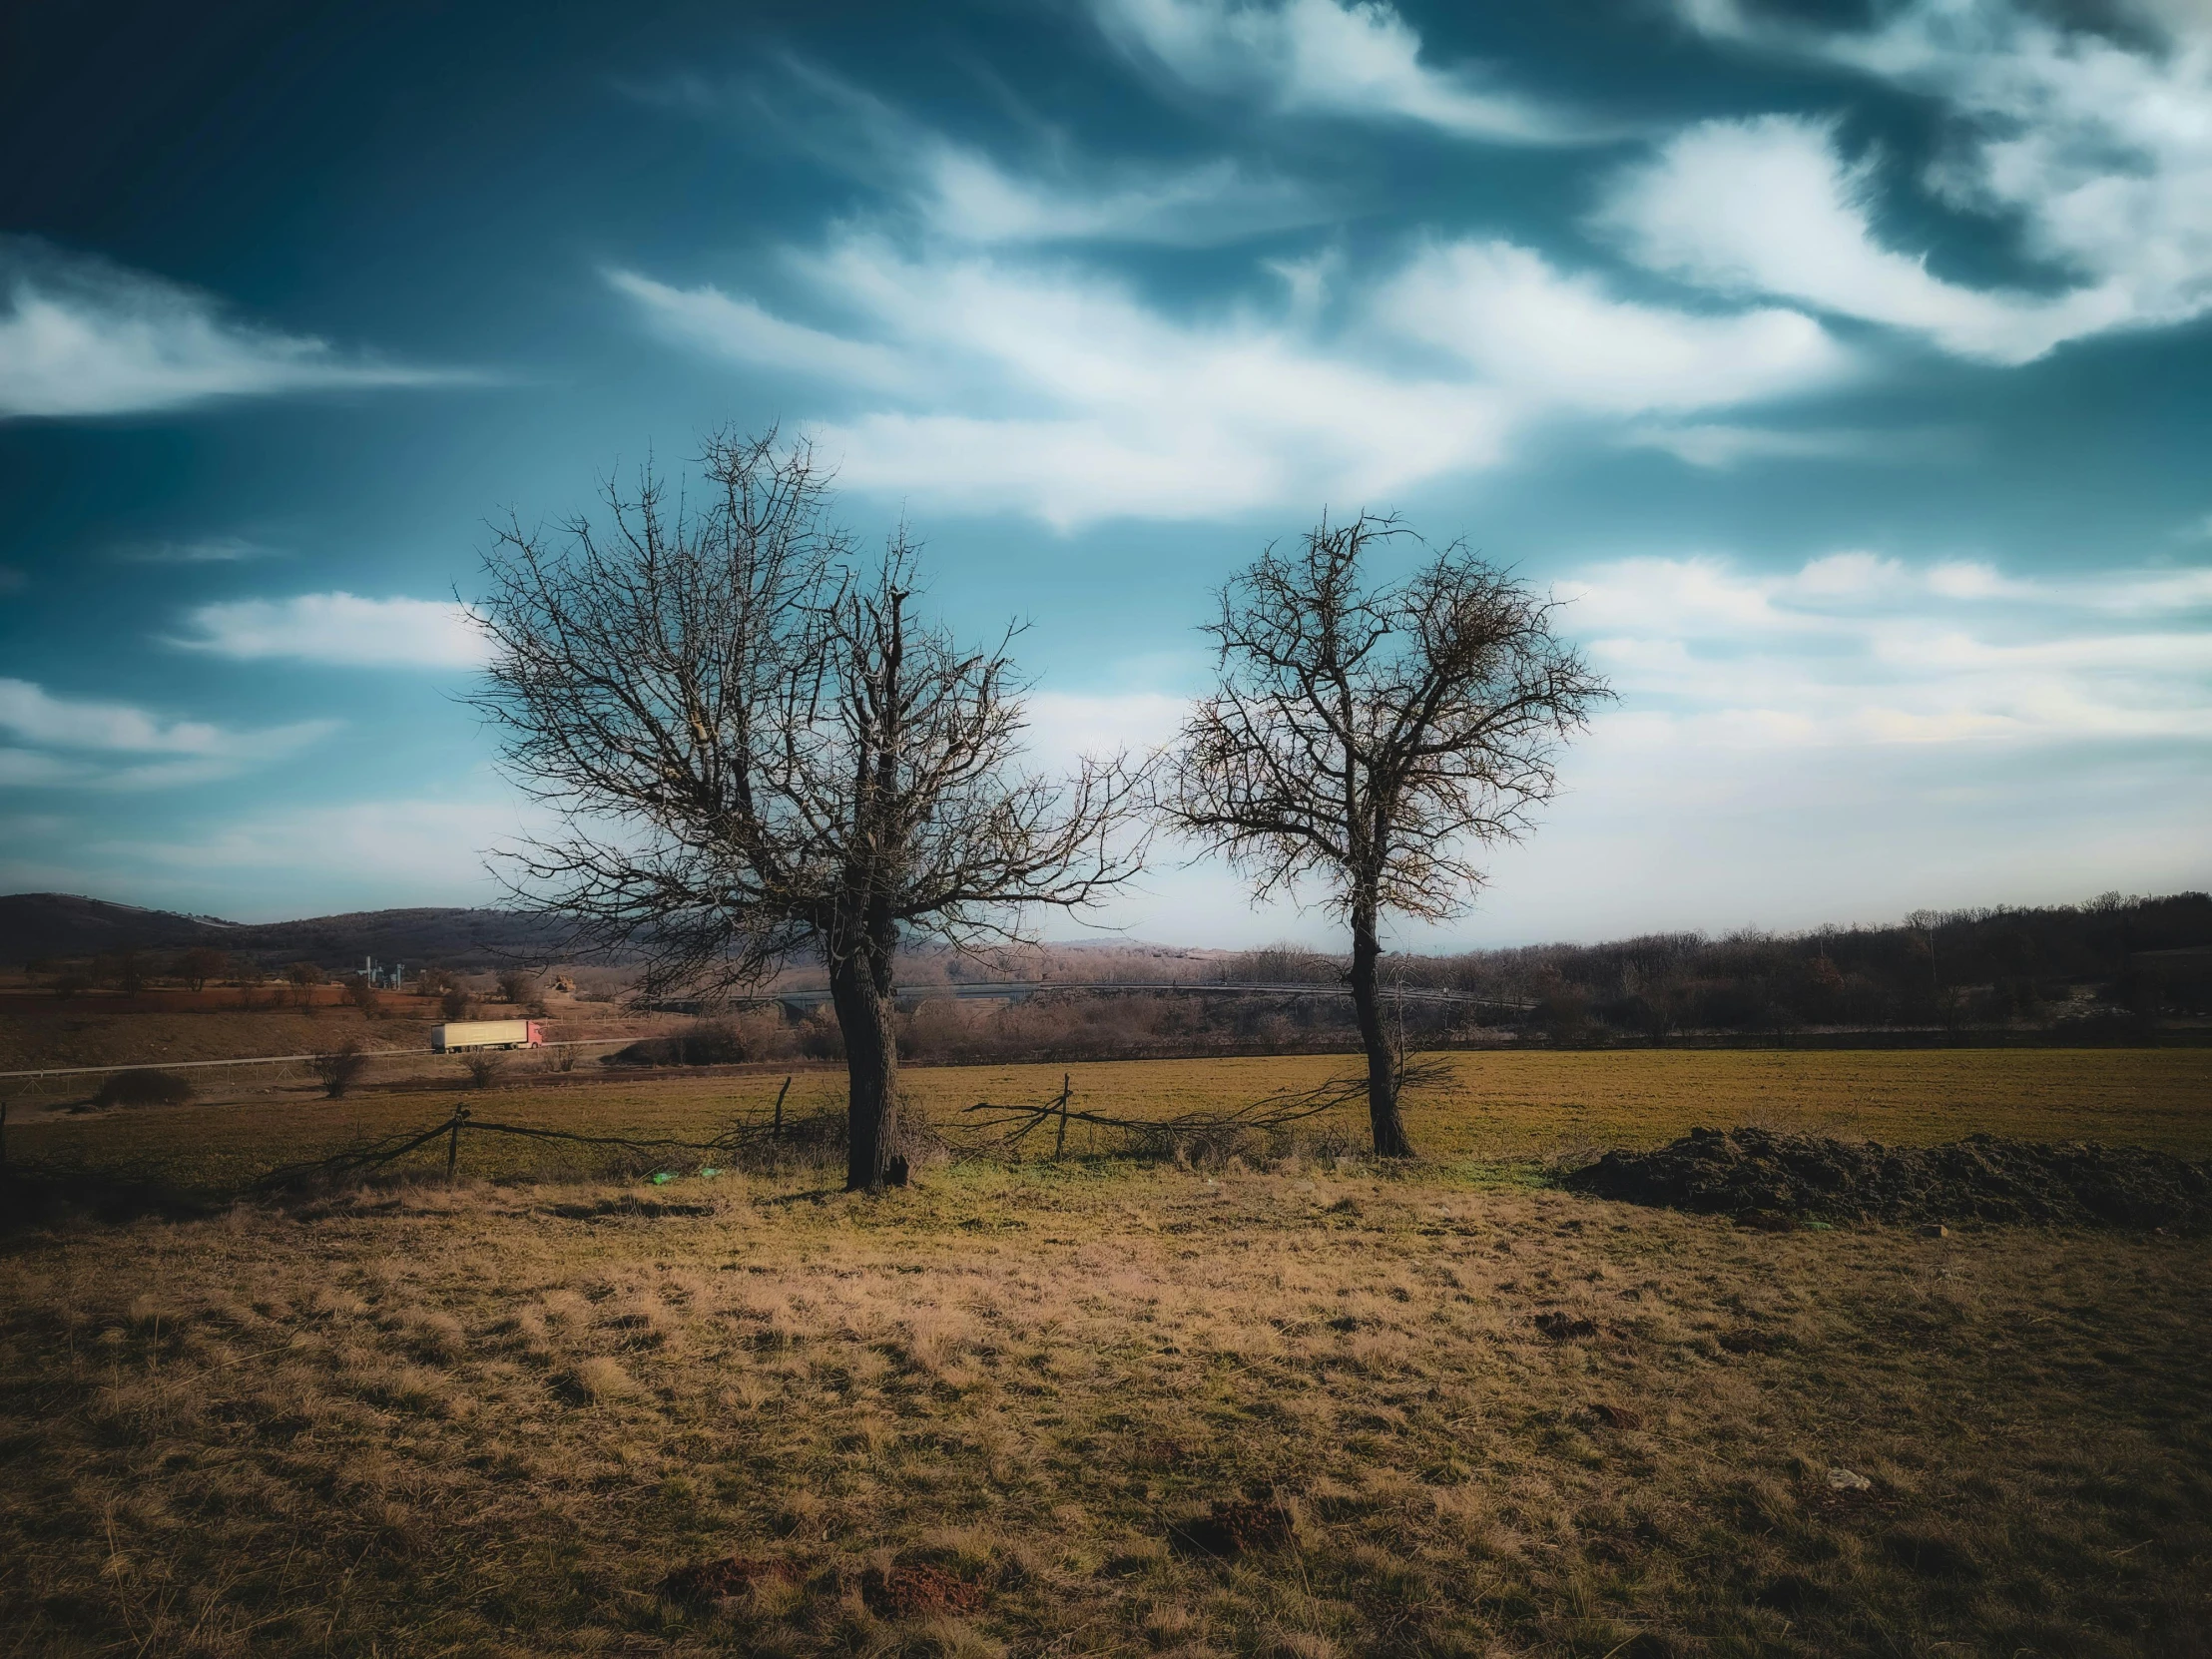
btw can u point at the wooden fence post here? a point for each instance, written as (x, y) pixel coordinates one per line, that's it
(1061, 1140)
(453, 1143)
(776, 1132)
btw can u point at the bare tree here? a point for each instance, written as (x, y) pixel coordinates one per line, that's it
(200, 965)
(1368, 739)
(757, 750)
(304, 977)
(518, 987)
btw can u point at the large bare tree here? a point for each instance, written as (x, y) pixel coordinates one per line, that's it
(1368, 739)
(756, 750)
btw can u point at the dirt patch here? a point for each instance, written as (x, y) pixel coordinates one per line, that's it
(1755, 1174)
(708, 1581)
(648, 1209)
(912, 1592)
(1232, 1527)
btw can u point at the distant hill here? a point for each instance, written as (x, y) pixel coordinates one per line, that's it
(37, 927)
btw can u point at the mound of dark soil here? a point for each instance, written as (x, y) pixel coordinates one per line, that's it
(1755, 1174)
(918, 1590)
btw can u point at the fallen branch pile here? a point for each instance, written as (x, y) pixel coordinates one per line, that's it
(1006, 1125)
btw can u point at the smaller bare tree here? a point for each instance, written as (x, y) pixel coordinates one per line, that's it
(1369, 738)
(200, 965)
(304, 977)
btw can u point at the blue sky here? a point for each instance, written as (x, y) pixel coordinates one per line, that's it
(1846, 368)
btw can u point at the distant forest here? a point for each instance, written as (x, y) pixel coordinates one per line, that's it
(2113, 959)
(2116, 968)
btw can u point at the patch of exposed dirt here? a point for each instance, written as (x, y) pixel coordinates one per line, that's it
(1232, 1527)
(916, 1591)
(732, 1575)
(648, 1209)
(1758, 1176)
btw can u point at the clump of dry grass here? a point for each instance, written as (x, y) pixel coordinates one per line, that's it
(971, 1418)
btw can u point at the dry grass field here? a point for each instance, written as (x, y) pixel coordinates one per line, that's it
(1451, 1412)
(1491, 1107)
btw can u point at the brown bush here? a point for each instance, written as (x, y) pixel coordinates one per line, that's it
(337, 1071)
(142, 1088)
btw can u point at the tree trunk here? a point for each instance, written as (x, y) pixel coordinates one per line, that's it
(860, 990)
(1387, 1127)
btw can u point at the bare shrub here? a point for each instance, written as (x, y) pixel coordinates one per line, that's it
(456, 1003)
(710, 1043)
(337, 1071)
(142, 1088)
(484, 1069)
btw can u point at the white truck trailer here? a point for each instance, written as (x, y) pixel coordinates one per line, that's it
(463, 1035)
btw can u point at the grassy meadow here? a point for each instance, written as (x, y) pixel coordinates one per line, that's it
(993, 1414)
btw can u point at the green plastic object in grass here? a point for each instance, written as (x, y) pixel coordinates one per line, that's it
(709, 1174)
(662, 1178)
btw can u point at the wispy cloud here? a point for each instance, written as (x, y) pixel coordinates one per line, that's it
(1048, 189)
(338, 628)
(1717, 445)
(1357, 60)
(197, 550)
(405, 847)
(2096, 146)
(66, 741)
(1004, 383)
(967, 195)
(1857, 648)
(81, 337)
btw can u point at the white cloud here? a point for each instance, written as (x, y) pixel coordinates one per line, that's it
(739, 329)
(1858, 649)
(961, 193)
(338, 628)
(119, 746)
(1767, 206)
(1518, 323)
(1036, 386)
(1354, 59)
(201, 550)
(964, 194)
(80, 336)
(2099, 148)
(1718, 446)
